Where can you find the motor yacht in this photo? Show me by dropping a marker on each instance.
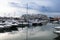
(57, 30)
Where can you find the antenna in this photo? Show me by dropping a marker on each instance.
(4, 14)
(8, 15)
(14, 14)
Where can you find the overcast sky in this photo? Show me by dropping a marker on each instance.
(19, 7)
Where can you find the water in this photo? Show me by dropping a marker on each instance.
(37, 33)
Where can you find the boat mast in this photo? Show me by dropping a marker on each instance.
(28, 24)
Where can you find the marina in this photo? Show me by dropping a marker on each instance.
(25, 21)
(29, 19)
(30, 22)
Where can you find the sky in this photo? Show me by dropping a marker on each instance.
(16, 8)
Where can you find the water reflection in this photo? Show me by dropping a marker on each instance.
(57, 38)
(37, 33)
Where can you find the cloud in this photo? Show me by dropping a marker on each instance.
(13, 7)
(44, 6)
